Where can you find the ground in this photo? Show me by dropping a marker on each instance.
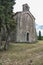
(23, 54)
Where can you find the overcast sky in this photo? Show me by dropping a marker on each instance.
(36, 8)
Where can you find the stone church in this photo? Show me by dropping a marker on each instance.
(25, 26)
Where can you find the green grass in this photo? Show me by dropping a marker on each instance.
(0, 63)
(23, 54)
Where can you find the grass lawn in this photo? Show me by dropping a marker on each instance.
(23, 54)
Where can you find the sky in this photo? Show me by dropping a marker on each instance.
(36, 8)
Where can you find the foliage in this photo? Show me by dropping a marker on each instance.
(6, 13)
(39, 35)
(7, 23)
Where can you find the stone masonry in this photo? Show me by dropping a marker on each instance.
(25, 26)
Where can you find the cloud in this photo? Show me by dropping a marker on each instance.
(39, 28)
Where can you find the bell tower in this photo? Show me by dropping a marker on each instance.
(26, 7)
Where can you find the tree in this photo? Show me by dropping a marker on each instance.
(1, 19)
(39, 35)
(7, 21)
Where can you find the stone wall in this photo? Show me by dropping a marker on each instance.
(25, 25)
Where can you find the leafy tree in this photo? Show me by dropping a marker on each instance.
(39, 35)
(6, 19)
(1, 19)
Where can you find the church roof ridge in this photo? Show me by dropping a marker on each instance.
(25, 12)
(31, 14)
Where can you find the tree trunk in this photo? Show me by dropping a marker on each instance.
(0, 41)
(6, 46)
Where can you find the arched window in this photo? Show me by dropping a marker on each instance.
(27, 36)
